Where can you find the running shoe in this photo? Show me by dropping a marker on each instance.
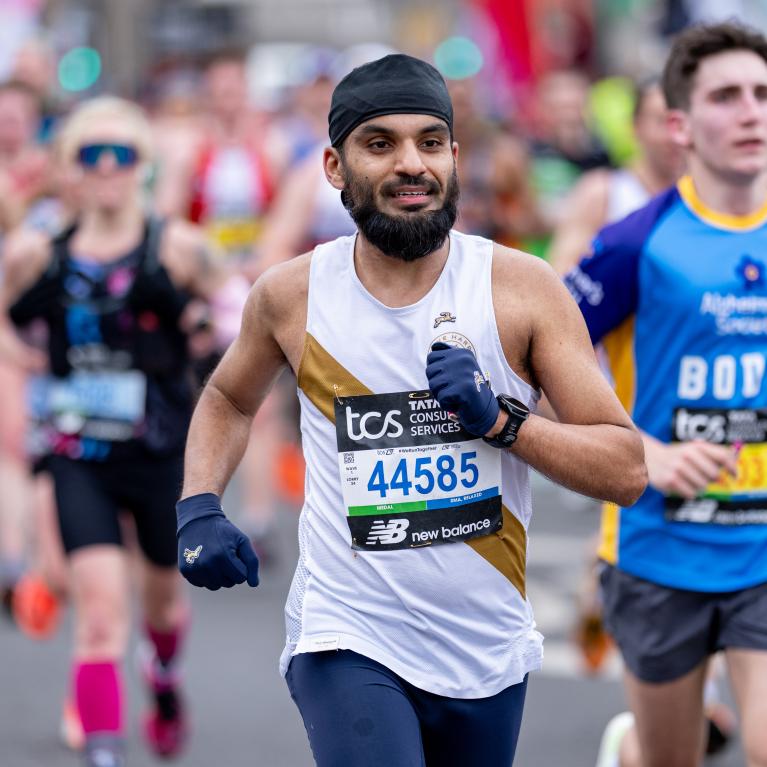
(70, 727)
(104, 752)
(6, 600)
(35, 607)
(722, 725)
(610, 745)
(166, 729)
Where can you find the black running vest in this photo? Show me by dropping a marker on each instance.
(113, 338)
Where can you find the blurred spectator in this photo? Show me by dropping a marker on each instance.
(224, 181)
(306, 212)
(306, 125)
(602, 196)
(23, 163)
(35, 66)
(24, 177)
(497, 200)
(564, 146)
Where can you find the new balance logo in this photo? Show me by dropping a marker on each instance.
(387, 533)
(190, 556)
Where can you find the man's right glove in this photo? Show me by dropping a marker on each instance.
(212, 552)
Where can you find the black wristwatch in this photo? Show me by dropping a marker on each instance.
(517, 416)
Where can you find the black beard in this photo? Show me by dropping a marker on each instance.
(409, 236)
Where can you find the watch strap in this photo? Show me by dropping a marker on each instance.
(517, 413)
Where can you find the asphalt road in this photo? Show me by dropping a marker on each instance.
(240, 707)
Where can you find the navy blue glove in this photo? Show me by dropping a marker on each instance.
(212, 552)
(459, 386)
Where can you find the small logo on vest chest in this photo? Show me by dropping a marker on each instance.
(444, 317)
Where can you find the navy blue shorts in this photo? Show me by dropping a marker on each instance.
(90, 496)
(358, 713)
(664, 633)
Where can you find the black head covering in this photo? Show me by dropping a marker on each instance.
(396, 84)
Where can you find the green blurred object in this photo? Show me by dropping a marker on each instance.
(458, 58)
(620, 9)
(79, 69)
(553, 176)
(538, 246)
(612, 108)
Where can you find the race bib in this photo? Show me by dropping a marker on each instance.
(411, 475)
(739, 500)
(104, 405)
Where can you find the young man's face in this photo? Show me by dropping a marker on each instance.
(725, 126)
(398, 177)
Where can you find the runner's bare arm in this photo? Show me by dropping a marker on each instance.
(26, 254)
(273, 325)
(289, 217)
(585, 211)
(594, 449)
(193, 265)
(186, 254)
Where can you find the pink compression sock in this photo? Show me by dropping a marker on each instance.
(98, 692)
(167, 644)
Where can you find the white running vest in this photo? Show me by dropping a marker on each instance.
(451, 618)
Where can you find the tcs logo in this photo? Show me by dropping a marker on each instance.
(725, 376)
(372, 425)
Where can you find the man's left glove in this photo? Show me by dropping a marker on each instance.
(212, 552)
(459, 386)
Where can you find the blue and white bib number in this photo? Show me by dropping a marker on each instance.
(112, 403)
(411, 475)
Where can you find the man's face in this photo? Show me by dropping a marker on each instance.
(725, 126)
(399, 183)
(226, 88)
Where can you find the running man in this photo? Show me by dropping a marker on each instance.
(409, 634)
(114, 292)
(677, 292)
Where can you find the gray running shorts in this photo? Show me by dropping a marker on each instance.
(663, 633)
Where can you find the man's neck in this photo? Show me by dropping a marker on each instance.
(735, 196)
(394, 282)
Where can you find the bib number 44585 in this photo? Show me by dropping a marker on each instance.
(427, 474)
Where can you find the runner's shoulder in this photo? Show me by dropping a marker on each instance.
(522, 276)
(282, 289)
(528, 295)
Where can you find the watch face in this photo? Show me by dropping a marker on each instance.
(512, 405)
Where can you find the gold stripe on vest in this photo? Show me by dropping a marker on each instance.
(506, 550)
(321, 378)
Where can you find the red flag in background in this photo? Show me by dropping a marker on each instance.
(510, 18)
(538, 36)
